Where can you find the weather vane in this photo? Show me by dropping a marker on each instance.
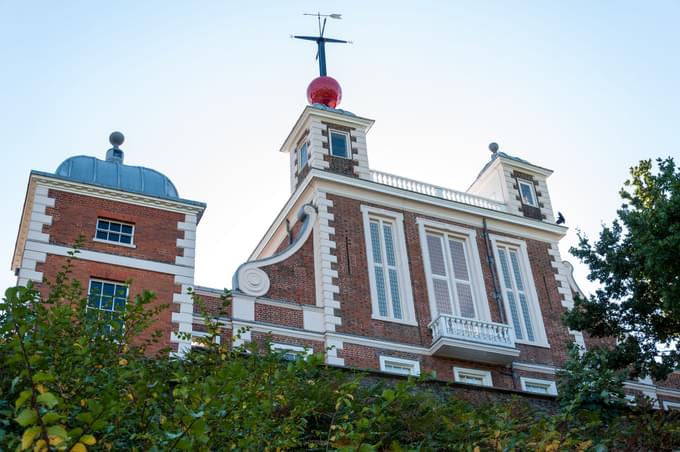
(321, 40)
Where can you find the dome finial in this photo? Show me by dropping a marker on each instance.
(493, 147)
(115, 154)
(116, 139)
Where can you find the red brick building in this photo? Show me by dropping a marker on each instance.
(375, 270)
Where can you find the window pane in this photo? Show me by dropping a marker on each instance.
(537, 388)
(458, 255)
(115, 227)
(109, 289)
(441, 296)
(114, 237)
(107, 303)
(434, 248)
(516, 270)
(467, 305)
(515, 315)
(394, 292)
(302, 155)
(93, 300)
(101, 235)
(103, 224)
(380, 289)
(504, 268)
(126, 228)
(339, 144)
(125, 239)
(375, 242)
(527, 194)
(389, 245)
(527, 319)
(397, 368)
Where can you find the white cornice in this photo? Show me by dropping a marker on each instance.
(117, 195)
(364, 190)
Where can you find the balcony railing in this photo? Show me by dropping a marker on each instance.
(434, 190)
(477, 340)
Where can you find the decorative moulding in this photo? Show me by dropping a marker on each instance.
(250, 279)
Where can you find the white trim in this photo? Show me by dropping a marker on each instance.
(296, 349)
(348, 143)
(108, 242)
(550, 386)
(401, 258)
(412, 365)
(474, 264)
(118, 195)
(369, 191)
(252, 280)
(112, 259)
(459, 373)
(541, 339)
(671, 406)
(194, 334)
(539, 368)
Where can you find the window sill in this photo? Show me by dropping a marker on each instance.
(533, 344)
(126, 245)
(403, 322)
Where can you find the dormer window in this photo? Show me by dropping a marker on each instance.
(339, 144)
(527, 192)
(303, 155)
(114, 232)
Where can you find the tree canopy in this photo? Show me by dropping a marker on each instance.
(636, 260)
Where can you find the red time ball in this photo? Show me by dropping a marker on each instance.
(324, 90)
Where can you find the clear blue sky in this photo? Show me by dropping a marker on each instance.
(207, 91)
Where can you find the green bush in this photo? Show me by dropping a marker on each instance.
(69, 383)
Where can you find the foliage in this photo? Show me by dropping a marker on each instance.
(636, 261)
(67, 383)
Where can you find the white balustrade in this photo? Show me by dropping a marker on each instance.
(491, 333)
(434, 190)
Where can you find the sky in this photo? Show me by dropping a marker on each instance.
(206, 92)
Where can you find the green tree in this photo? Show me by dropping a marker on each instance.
(636, 260)
(68, 382)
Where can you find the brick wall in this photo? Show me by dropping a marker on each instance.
(353, 281)
(155, 235)
(278, 315)
(161, 284)
(293, 279)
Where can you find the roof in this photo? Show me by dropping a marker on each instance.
(502, 154)
(115, 174)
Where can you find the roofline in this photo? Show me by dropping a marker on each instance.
(356, 120)
(106, 187)
(481, 212)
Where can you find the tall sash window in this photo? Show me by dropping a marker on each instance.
(518, 291)
(388, 266)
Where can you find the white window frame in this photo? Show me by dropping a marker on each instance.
(304, 146)
(548, 384)
(401, 258)
(348, 144)
(529, 184)
(297, 350)
(535, 314)
(469, 237)
(414, 366)
(113, 242)
(105, 281)
(484, 375)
